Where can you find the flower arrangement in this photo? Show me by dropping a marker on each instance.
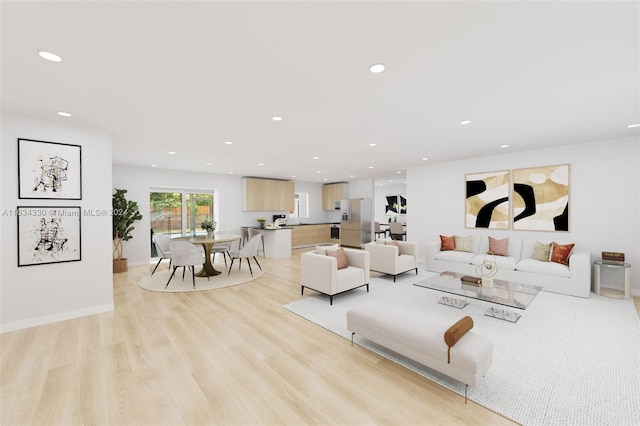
(208, 225)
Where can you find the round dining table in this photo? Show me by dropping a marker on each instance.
(207, 242)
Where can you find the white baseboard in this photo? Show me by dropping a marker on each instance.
(62, 316)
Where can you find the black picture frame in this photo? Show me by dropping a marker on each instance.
(49, 170)
(48, 234)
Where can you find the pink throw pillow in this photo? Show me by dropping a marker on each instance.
(340, 257)
(499, 247)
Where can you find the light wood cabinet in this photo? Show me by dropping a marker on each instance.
(333, 193)
(310, 235)
(267, 194)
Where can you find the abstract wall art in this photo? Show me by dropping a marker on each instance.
(541, 198)
(48, 235)
(396, 203)
(49, 170)
(487, 200)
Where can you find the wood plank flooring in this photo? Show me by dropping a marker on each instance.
(230, 356)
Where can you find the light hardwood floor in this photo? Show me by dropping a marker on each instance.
(228, 356)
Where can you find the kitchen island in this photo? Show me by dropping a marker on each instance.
(277, 241)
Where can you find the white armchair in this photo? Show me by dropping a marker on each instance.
(393, 260)
(320, 272)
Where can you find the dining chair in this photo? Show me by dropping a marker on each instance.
(185, 254)
(250, 249)
(378, 230)
(244, 236)
(161, 242)
(223, 248)
(253, 232)
(396, 231)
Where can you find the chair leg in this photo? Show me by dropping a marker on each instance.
(232, 259)
(157, 264)
(302, 290)
(330, 299)
(172, 274)
(193, 275)
(367, 288)
(184, 268)
(249, 263)
(256, 262)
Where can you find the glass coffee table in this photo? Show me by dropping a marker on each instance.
(505, 293)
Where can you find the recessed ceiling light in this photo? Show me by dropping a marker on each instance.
(293, 176)
(260, 164)
(371, 167)
(372, 144)
(504, 146)
(276, 118)
(154, 165)
(631, 126)
(390, 180)
(325, 179)
(230, 173)
(50, 56)
(208, 164)
(351, 176)
(172, 152)
(465, 122)
(316, 158)
(228, 143)
(399, 172)
(376, 68)
(425, 158)
(64, 114)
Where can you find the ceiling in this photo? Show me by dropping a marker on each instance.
(188, 76)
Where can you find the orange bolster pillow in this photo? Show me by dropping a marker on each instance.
(455, 332)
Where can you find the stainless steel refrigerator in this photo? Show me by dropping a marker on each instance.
(355, 223)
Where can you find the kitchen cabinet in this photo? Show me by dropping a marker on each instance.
(333, 193)
(310, 235)
(267, 194)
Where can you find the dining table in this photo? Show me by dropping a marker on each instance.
(207, 242)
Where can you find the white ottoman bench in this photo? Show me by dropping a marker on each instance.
(422, 338)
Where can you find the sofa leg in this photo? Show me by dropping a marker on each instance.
(330, 299)
(367, 288)
(302, 290)
(416, 271)
(352, 334)
(394, 278)
(465, 392)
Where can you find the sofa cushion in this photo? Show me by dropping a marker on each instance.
(514, 247)
(447, 243)
(323, 249)
(349, 278)
(543, 268)
(503, 262)
(462, 243)
(560, 253)
(455, 256)
(542, 252)
(340, 257)
(499, 247)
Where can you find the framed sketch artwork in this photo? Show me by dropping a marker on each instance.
(541, 198)
(48, 235)
(487, 200)
(49, 170)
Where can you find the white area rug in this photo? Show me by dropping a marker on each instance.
(567, 361)
(177, 284)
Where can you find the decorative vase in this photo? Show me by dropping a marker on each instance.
(209, 233)
(262, 225)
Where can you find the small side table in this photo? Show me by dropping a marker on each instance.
(623, 270)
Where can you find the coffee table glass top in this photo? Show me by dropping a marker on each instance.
(502, 292)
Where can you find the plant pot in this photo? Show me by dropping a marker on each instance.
(120, 265)
(262, 225)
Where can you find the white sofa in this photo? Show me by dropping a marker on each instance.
(320, 272)
(519, 266)
(393, 260)
(421, 338)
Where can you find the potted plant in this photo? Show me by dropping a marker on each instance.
(262, 220)
(125, 213)
(209, 226)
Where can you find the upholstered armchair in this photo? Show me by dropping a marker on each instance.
(319, 272)
(392, 259)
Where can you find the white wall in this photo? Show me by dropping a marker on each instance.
(138, 182)
(604, 201)
(39, 294)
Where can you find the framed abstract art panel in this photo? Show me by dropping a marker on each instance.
(487, 200)
(49, 170)
(48, 235)
(541, 198)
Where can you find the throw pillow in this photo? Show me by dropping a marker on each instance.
(499, 247)
(447, 243)
(560, 252)
(542, 252)
(340, 257)
(462, 243)
(392, 243)
(323, 249)
(455, 332)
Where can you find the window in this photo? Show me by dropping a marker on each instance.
(180, 213)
